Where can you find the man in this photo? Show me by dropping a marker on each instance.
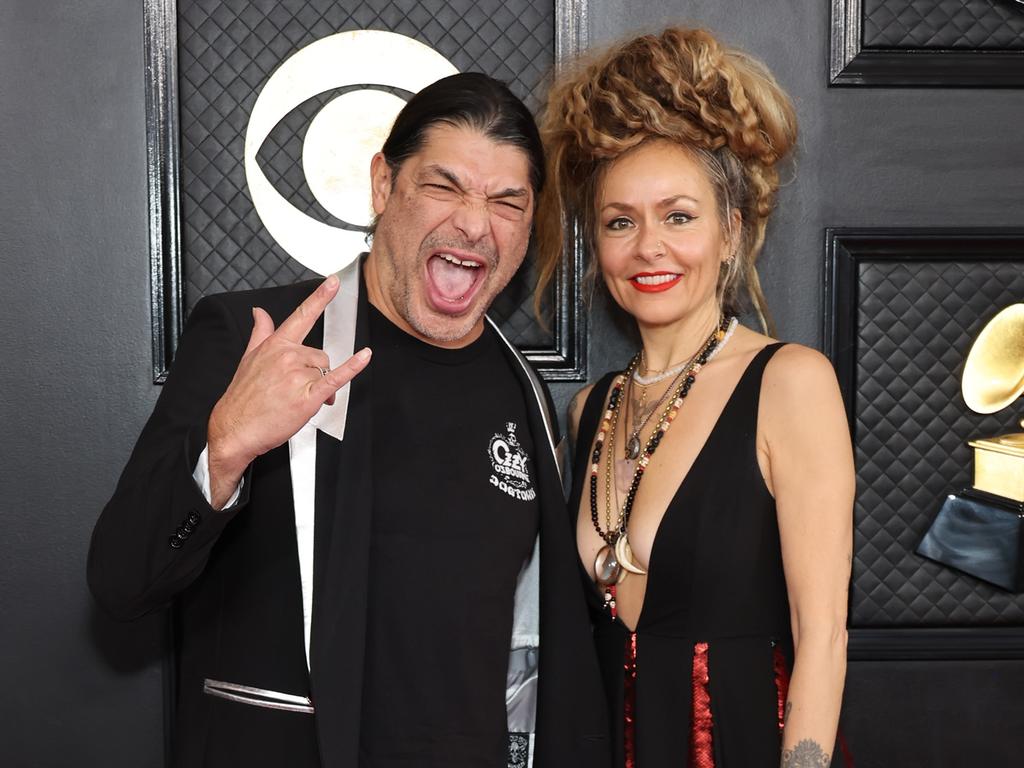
(355, 566)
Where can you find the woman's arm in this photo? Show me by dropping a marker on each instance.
(574, 412)
(806, 441)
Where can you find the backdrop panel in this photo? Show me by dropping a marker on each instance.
(904, 307)
(927, 43)
(209, 60)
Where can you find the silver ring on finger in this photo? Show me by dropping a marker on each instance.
(323, 371)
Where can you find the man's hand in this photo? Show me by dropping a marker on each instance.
(276, 389)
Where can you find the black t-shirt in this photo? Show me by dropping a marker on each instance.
(455, 517)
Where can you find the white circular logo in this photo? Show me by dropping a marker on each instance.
(340, 140)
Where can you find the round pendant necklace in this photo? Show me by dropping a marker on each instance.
(614, 560)
(642, 415)
(640, 418)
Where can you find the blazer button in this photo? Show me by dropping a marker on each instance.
(175, 542)
(187, 529)
(194, 518)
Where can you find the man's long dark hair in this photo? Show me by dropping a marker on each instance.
(466, 100)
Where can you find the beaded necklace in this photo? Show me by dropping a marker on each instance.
(614, 560)
(653, 377)
(640, 418)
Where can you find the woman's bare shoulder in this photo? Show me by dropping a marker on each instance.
(574, 411)
(579, 399)
(797, 366)
(743, 343)
(799, 383)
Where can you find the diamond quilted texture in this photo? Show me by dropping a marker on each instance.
(226, 51)
(963, 24)
(916, 322)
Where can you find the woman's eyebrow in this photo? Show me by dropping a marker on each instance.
(663, 203)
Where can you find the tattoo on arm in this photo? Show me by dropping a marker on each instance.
(806, 754)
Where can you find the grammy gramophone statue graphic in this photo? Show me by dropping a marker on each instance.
(980, 530)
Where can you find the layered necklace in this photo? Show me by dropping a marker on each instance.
(614, 560)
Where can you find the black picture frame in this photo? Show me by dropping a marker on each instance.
(845, 250)
(850, 64)
(565, 359)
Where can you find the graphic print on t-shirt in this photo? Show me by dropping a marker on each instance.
(509, 464)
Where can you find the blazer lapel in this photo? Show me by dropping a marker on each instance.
(344, 499)
(309, 453)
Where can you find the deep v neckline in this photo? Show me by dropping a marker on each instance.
(676, 494)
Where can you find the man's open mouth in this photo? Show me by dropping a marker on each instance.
(453, 279)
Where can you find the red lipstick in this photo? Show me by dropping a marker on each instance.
(657, 287)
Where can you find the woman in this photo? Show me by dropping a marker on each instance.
(714, 480)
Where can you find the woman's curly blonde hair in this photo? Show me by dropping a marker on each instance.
(684, 86)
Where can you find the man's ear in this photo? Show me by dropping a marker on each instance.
(380, 183)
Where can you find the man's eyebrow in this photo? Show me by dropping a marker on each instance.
(511, 192)
(449, 176)
(446, 174)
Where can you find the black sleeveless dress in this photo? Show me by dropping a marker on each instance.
(702, 681)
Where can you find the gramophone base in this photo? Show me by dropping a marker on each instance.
(981, 535)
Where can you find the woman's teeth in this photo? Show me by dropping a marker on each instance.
(654, 279)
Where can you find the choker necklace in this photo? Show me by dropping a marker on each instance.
(624, 468)
(654, 378)
(639, 417)
(614, 559)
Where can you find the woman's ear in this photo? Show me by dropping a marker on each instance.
(733, 236)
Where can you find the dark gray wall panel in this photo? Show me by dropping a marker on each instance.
(934, 714)
(970, 24)
(74, 388)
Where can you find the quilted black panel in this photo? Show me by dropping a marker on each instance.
(963, 24)
(916, 321)
(228, 48)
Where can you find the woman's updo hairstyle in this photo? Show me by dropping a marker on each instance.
(683, 86)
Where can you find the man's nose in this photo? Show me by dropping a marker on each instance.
(472, 219)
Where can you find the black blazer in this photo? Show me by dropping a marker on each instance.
(234, 576)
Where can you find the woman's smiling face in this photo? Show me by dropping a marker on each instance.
(660, 241)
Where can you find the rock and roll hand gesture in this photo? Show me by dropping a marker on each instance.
(278, 386)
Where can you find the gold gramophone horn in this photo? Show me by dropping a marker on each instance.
(980, 530)
(994, 371)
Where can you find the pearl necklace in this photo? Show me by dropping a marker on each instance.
(646, 381)
(633, 442)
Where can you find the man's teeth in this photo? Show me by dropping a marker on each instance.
(458, 262)
(654, 279)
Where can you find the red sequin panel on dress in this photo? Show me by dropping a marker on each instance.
(781, 684)
(629, 702)
(702, 753)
